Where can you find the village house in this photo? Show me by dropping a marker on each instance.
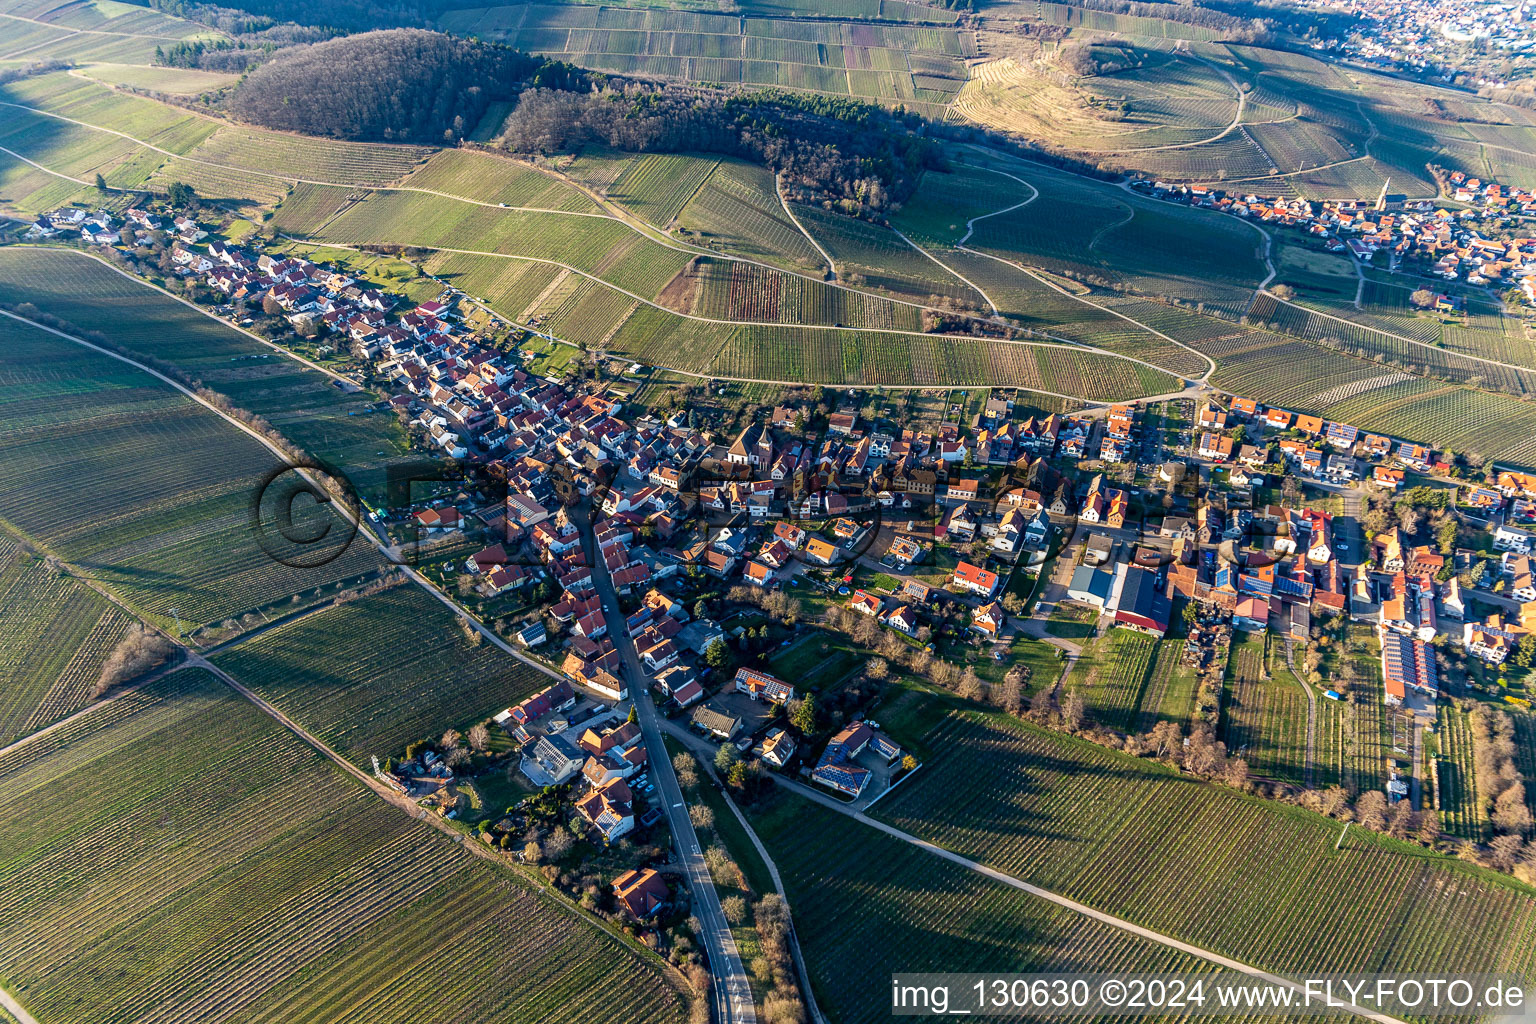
(762, 686)
(777, 748)
(836, 769)
(609, 809)
(641, 892)
(975, 580)
(1407, 664)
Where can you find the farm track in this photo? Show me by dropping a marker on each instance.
(1515, 368)
(46, 170)
(192, 305)
(970, 229)
(778, 886)
(651, 234)
(1057, 343)
(950, 270)
(614, 212)
(831, 264)
(393, 555)
(1210, 363)
(1237, 118)
(956, 114)
(397, 800)
(1263, 289)
(87, 32)
(1061, 901)
(15, 1009)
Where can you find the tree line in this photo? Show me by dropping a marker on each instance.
(861, 157)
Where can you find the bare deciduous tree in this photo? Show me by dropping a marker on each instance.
(140, 650)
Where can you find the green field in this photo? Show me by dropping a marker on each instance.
(870, 256)
(91, 30)
(171, 81)
(96, 130)
(1093, 230)
(211, 863)
(1170, 692)
(139, 487)
(1375, 396)
(657, 186)
(1402, 348)
(1117, 676)
(773, 352)
(54, 638)
(1136, 840)
(497, 180)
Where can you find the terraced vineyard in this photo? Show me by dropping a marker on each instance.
(916, 65)
(738, 208)
(105, 19)
(76, 152)
(657, 186)
(1159, 99)
(53, 640)
(490, 179)
(1264, 716)
(1129, 838)
(157, 144)
(93, 105)
(274, 889)
(139, 487)
(1201, 258)
(372, 675)
(512, 286)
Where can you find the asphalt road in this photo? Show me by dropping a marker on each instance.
(732, 995)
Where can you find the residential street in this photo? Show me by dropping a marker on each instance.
(705, 752)
(732, 990)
